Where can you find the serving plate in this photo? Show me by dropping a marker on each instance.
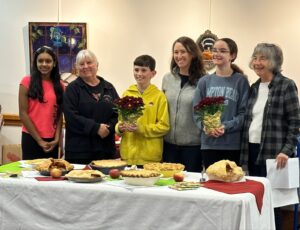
(106, 170)
(47, 173)
(140, 181)
(232, 179)
(85, 180)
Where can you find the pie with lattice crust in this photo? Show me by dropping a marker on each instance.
(140, 173)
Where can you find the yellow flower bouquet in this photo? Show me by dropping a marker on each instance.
(129, 108)
(209, 110)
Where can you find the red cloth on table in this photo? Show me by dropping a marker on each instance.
(50, 178)
(249, 186)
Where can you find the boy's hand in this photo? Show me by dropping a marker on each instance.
(127, 127)
(132, 127)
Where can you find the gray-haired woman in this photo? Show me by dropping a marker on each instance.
(272, 118)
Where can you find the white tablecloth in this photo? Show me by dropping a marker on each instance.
(34, 205)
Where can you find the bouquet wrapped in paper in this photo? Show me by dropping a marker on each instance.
(209, 110)
(129, 108)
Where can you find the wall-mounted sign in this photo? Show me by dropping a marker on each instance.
(206, 42)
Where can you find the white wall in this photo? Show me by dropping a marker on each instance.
(120, 30)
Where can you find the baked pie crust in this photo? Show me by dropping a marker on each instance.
(164, 166)
(36, 161)
(54, 163)
(225, 170)
(108, 163)
(142, 173)
(85, 174)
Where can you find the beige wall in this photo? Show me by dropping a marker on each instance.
(119, 30)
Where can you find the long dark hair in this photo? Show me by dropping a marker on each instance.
(196, 69)
(233, 49)
(36, 91)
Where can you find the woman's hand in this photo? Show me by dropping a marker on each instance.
(50, 146)
(281, 160)
(103, 130)
(44, 145)
(216, 132)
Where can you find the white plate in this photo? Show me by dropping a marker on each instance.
(85, 180)
(149, 181)
(212, 177)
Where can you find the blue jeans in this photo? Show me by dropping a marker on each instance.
(190, 156)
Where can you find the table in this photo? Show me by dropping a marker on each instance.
(30, 204)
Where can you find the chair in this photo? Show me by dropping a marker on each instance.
(296, 206)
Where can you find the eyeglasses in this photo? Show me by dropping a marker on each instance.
(221, 51)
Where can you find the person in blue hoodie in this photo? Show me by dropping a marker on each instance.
(229, 82)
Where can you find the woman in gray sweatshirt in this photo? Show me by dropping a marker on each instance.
(182, 143)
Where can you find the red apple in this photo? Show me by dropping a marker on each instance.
(178, 177)
(114, 173)
(55, 173)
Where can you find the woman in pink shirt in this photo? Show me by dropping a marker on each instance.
(40, 106)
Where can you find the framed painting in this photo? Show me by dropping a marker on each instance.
(66, 39)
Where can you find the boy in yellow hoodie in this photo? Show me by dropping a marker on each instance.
(143, 143)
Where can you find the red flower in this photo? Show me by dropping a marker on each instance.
(129, 106)
(209, 105)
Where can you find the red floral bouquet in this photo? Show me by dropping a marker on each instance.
(130, 108)
(209, 110)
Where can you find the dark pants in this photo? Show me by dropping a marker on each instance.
(255, 169)
(31, 149)
(190, 156)
(211, 156)
(90, 156)
(261, 170)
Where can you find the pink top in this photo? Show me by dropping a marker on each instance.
(42, 115)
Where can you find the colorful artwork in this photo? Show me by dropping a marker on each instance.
(66, 39)
(206, 42)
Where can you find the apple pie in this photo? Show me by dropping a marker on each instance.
(36, 161)
(167, 169)
(225, 170)
(142, 173)
(164, 166)
(85, 174)
(54, 163)
(109, 163)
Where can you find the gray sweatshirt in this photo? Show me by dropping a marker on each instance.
(183, 131)
(235, 89)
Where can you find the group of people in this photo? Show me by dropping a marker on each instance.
(258, 123)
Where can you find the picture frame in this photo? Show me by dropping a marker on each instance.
(66, 39)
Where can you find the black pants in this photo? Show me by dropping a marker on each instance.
(190, 156)
(31, 149)
(211, 156)
(72, 157)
